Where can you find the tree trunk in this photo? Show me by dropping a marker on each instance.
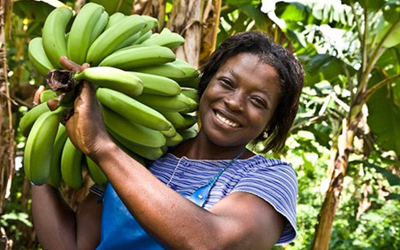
(326, 216)
(185, 19)
(6, 126)
(210, 22)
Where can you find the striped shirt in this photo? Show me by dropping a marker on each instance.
(272, 180)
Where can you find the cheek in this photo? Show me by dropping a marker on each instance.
(261, 121)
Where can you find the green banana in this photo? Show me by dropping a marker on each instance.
(27, 121)
(39, 146)
(46, 95)
(190, 120)
(173, 141)
(176, 119)
(79, 39)
(143, 37)
(54, 34)
(191, 93)
(151, 22)
(189, 70)
(188, 133)
(129, 42)
(138, 56)
(148, 153)
(55, 160)
(129, 152)
(189, 82)
(168, 70)
(176, 103)
(38, 57)
(192, 106)
(113, 78)
(170, 133)
(179, 121)
(132, 110)
(114, 19)
(71, 165)
(96, 173)
(110, 39)
(158, 85)
(99, 27)
(166, 38)
(133, 132)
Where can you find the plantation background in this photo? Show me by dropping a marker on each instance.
(344, 145)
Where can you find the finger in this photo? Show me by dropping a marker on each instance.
(69, 125)
(86, 91)
(36, 98)
(67, 115)
(85, 66)
(88, 87)
(68, 64)
(52, 104)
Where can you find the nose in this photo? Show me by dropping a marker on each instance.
(235, 101)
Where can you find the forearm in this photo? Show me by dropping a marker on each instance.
(163, 213)
(54, 220)
(58, 226)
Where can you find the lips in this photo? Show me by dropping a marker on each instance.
(225, 120)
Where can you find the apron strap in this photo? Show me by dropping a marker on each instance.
(200, 196)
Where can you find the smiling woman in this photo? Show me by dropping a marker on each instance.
(288, 70)
(207, 193)
(240, 100)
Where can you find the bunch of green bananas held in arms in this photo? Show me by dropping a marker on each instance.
(146, 95)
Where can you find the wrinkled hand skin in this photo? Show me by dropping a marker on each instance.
(85, 127)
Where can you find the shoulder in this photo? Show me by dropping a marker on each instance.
(270, 168)
(275, 182)
(270, 173)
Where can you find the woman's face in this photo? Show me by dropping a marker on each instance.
(239, 101)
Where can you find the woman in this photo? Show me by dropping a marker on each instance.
(207, 193)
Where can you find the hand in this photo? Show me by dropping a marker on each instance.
(67, 64)
(85, 127)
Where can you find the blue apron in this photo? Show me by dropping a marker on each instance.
(120, 230)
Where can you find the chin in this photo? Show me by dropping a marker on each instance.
(224, 140)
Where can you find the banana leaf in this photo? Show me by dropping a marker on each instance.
(384, 114)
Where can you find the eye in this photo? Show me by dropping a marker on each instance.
(226, 82)
(259, 102)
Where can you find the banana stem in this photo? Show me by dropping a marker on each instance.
(61, 80)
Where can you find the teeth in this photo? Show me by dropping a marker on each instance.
(226, 121)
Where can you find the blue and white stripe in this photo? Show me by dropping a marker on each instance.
(272, 180)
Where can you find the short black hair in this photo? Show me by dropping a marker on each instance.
(289, 69)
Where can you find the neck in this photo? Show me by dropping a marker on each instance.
(201, 148)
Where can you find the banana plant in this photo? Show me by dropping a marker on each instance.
(368, 70)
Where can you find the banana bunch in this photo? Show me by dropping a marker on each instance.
(147, 96)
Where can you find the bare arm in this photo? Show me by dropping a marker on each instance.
(240, 221)
(58, 226)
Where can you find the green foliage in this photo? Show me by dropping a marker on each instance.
(384, 116)
(333, 70)
(377, 227)
(124, 6)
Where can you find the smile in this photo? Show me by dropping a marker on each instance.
(226, 121)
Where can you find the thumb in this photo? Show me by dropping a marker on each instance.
(52, 104)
